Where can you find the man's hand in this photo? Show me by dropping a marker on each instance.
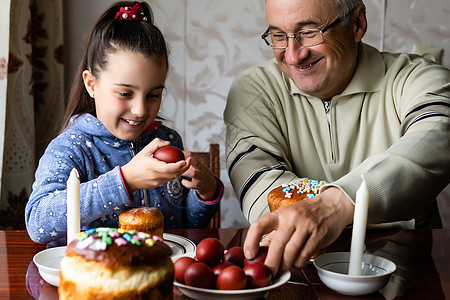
(298, 231)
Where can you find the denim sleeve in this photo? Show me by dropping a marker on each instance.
(46, 210)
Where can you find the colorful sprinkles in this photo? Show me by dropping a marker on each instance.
(106, 236)
(303, 186)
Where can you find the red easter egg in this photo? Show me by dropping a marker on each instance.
(169, 154)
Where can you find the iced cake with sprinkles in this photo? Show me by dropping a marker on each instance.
(294, 191)
(111, 263)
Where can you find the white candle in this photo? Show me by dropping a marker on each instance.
(73, 205)
(359, 229)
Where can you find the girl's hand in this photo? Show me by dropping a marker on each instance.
(146, 172)
(202, 178)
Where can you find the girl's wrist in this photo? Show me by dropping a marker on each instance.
(126, 180)
(211, 196)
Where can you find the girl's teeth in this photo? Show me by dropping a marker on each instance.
(133, 122)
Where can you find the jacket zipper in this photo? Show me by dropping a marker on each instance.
(327, 106)
(133, 152)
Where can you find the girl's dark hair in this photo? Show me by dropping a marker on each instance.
(107, 36)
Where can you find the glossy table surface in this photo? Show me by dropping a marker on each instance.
(422, 258)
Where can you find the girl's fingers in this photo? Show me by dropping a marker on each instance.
(154, 145)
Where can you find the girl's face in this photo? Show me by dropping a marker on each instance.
(127, 93)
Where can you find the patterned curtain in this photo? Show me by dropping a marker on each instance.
(34, 97)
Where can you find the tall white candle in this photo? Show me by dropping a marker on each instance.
(359, 229)
(73, 205)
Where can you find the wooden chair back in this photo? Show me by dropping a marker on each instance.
(212, 159)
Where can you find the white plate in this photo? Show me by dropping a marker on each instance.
(178, 244)
(48, 260)
(208, 294)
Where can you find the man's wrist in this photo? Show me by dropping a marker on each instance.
(343, 202)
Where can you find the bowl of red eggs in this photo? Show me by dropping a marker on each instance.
(211, 272)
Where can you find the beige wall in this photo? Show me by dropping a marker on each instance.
(211, 41)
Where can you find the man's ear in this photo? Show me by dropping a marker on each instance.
(89, 82)
(360, 25)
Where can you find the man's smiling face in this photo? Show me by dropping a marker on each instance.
(323, 70)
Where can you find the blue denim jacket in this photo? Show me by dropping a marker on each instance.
(97, 154)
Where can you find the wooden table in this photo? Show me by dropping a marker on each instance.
(422, 258)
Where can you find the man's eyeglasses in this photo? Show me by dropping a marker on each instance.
(306, 37)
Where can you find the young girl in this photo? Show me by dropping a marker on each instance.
(110, 135)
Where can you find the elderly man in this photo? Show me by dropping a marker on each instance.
(330, 107)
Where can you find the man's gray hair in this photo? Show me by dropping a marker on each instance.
(345, 6)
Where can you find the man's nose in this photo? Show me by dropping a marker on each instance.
(294, 53)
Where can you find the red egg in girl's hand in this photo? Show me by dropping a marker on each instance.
(169, 154)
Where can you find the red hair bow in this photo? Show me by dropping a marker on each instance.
(131, 13)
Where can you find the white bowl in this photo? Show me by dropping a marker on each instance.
(333, 271)
(208, 294)
(48, 261)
